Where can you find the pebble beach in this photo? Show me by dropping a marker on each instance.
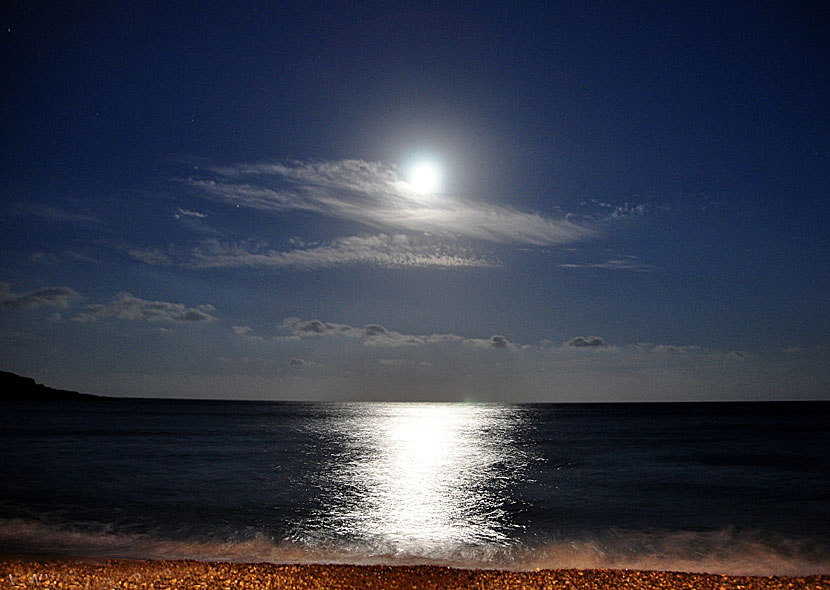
(93, 574)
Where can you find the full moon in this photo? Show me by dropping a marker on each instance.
(424, 178)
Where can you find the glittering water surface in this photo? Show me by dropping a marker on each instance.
(731, 488)
(418, 479)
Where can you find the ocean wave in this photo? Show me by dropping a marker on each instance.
(723, 551)
(726, 551)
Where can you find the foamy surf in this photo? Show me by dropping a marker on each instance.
(720, 552)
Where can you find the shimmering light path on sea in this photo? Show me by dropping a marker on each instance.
(422, 479)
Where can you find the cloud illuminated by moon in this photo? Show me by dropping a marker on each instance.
(374, 194)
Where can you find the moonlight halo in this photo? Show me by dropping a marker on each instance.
(424, 177)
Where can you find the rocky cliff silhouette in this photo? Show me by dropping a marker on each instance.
(18, 388)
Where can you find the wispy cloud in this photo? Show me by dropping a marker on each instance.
(53, 296)
(195, 221)
(152, 256)
(45, 257)
(184, 213)
(56, 214)
(379, 250)
(375, 195)
(126, 306)
(625, 210)
(629, 263)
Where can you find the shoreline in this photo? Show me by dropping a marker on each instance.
(30, 571)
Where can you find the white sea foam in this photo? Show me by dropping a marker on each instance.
(723, 552)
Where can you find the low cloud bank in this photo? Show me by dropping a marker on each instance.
(126, 306)
(49, 296)
(586, 342)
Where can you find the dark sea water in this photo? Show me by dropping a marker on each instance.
(729, 488)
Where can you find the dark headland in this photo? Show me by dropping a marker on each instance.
(17, 388)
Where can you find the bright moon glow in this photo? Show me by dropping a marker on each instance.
(424, 178)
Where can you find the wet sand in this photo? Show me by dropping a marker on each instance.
(86, 573)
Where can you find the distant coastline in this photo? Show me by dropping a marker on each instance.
(18, 388)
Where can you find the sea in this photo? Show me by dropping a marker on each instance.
(734, 488)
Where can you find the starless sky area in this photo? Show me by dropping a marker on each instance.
(558, 201)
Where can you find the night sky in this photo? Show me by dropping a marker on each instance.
(552, 202)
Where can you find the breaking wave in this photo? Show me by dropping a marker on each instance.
(726, 551)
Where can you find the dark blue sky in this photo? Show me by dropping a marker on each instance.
(218, 201)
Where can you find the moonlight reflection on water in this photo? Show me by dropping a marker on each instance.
(422, 479)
